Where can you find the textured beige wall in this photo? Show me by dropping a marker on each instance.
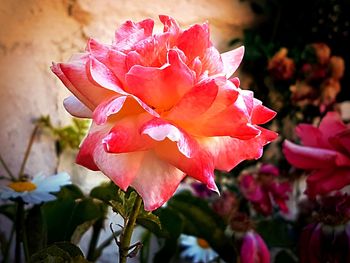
(34, 33)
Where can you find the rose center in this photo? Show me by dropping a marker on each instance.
(22, 186)
(202, 243)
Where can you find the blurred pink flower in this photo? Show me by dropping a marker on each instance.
(226, 204)
(328, 240)
(163, 107)
(263, 189)
(325, 153)
(254, 249)
(324, 243)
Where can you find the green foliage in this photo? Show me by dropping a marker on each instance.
(146, 247)
(72, 213)
(59, 252)
(105, 192)
(122, 203)
(68, 136)
(148, 220)
(8, 210)
(285, 256)
(36, 231)
(190, 215)
(276, 232)
(201, 221)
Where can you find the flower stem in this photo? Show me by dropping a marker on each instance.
(8, 171)
(125, 237)
(8, 245)
(19, 230)
(29, 147)
(96, 230)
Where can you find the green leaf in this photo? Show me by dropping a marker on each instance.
(71, 191)
(149, 221)
(105, 192)
(68, 212)
(276, 232)
(285, 257)
(129, 202)
(104, 244)
(146, 246)
(119, 208)
(171, 222)
(201, 221)
(59, 252)
(35, 229)
(80, 230)
(123, 202)
(68, 136)
(8, 210)
(166, 253)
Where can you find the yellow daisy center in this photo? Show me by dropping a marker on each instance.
(202, 243)
(22, 186)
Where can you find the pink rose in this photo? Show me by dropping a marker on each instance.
(254, 249)
(163, 107)
(325, 153)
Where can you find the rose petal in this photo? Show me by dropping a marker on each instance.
(228, 152)
(98, 50)
(159, 129)
(314, 245)
(308, 157)
(212, 62)
(263, 251)
(125, 135)
(234, 121)
(199, 165)
(254, 249)
(117, 64)
(152, 51)
(194, 41)
(310, 136)
(85, 155)
(76, 107)
(195, 102)
(249, 249)
(120, 168)
(104, 76)
(327, 180)
(123, 106)
(341, 142)
(130, 33)
(161, 87)
(186, 154)
(261, 114)
(250, 188)
(331, 124)
(304, 242)
(232, 59)
(74, 76)
(107, 108)
(157, 181)
(171, 26)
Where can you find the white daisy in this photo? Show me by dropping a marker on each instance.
(197, 249)
(37, 190)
